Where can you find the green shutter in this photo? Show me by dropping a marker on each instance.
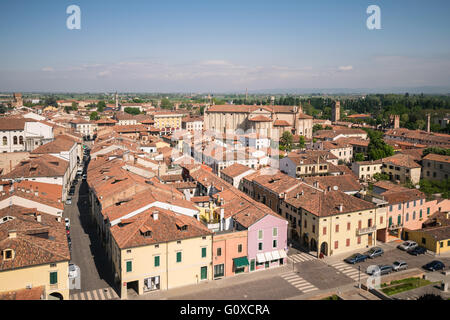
(252, 265)
(129, 266)
(178, 256)
(53, 277)
(203, 273)
(156, 261)
(203, 252)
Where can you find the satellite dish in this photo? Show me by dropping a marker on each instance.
(335, 188)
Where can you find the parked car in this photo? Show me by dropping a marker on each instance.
(374, 252)
(434, 265)
(407, 245)
(68, 231)
(382, 270)
(355, 258)
(69, 240)
(73, 271)
(84, 176)
(417, 251)
(67, 222)
(69, 200)
(399, 265)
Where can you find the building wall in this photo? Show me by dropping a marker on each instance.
(172, 274)
(7, 141)
(403, 174)
(434, 170)
(428, 241)
(267, 224)
(228, 243)
(36, 276)
(10, 159)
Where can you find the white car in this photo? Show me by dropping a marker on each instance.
(399, 265)
(67, 221)
(405, 246)
(73, 271)
(69, 200)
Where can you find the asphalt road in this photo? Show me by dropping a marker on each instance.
(87, 252)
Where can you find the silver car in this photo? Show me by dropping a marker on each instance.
(73, 271)
(399, 265)
(407, 245)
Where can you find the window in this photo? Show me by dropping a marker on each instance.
(359, 240)
(179, 256)
(420, 213)
(239, 248)
(260, 246)
(407, 217)
(347, 242)
(5, 141)
(275, 232)
(314, 229)
(260, 235)
(336, 244)
(129, 266)
(324, 230)
(337, 228)
(275, 243)
(15, 140)
(399, 206)
(203, 252)
(414, 203)
(414, 215)
(390, 208)
(359, 224)
(428, 210)
(21, 140)
(8, 254)
(219, 252)
(407, 205)
(348, 225)
(156, 261)
(424, 241)
(441, 244)
(53, 277)
(305, 224)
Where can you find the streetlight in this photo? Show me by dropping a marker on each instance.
(359, 277)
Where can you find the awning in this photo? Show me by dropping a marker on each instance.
(275, 255)
(260, 258)
(240, 262)
(282, 253)
(268, 256)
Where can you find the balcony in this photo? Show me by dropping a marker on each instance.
(362, 231)
(395, 226)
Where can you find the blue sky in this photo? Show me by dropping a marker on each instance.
(193, 45)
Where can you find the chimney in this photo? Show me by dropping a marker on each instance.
(58, 218)
(12, 234)
(341, 207)
(38, 218)
(315, 184)
(155, 215)
(428, 122)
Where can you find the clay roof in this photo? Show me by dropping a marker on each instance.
(45, 190)
(34, 293)
(260, 119)
(167, 227)
(399, 196)
(437, 157)
(44, 165)
(13, 123)
(344, 182)
(402, 160)
(36, 242)
(281, 123)
(235, 169)
(56, 146)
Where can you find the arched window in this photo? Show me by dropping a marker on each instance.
(21, 140)
(15, 139)
(5, 141)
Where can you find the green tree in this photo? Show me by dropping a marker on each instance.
(381, 176)
(359, 157)
(377, 148)
(286, 141)
(94, 116)
(166, 104)
(317, 127)
(301, 142)
(134, 111)
(101, 105)
(74, 106)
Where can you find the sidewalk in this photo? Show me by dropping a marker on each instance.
(240, 279)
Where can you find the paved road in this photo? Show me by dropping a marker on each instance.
(87, 252)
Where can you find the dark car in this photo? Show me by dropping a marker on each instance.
(374, 252)
(434, 265)
(355, 258)
(417, 251)
(382, 270)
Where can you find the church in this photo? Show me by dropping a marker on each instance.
(270, 121)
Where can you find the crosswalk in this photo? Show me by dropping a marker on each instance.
(301, 257)
(349, 271)
(98, 294)
(298, 282)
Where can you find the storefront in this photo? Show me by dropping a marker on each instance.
(270, 259)
(239, 264)
(151, 284)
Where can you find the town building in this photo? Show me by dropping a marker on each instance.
(435, 167)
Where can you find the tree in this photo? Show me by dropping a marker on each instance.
(359, 157)
(134, 111)
(74, 106)
(3, 109)
(317, 127)
(286, 141)
(94, 116)
(51, 101)
(377, 148)
(166, 104)
(101, 105)
(436, 150)
(301, 142)
(380, 176)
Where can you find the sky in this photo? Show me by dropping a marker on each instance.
(222, 46)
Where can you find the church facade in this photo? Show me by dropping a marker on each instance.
(270, 121)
